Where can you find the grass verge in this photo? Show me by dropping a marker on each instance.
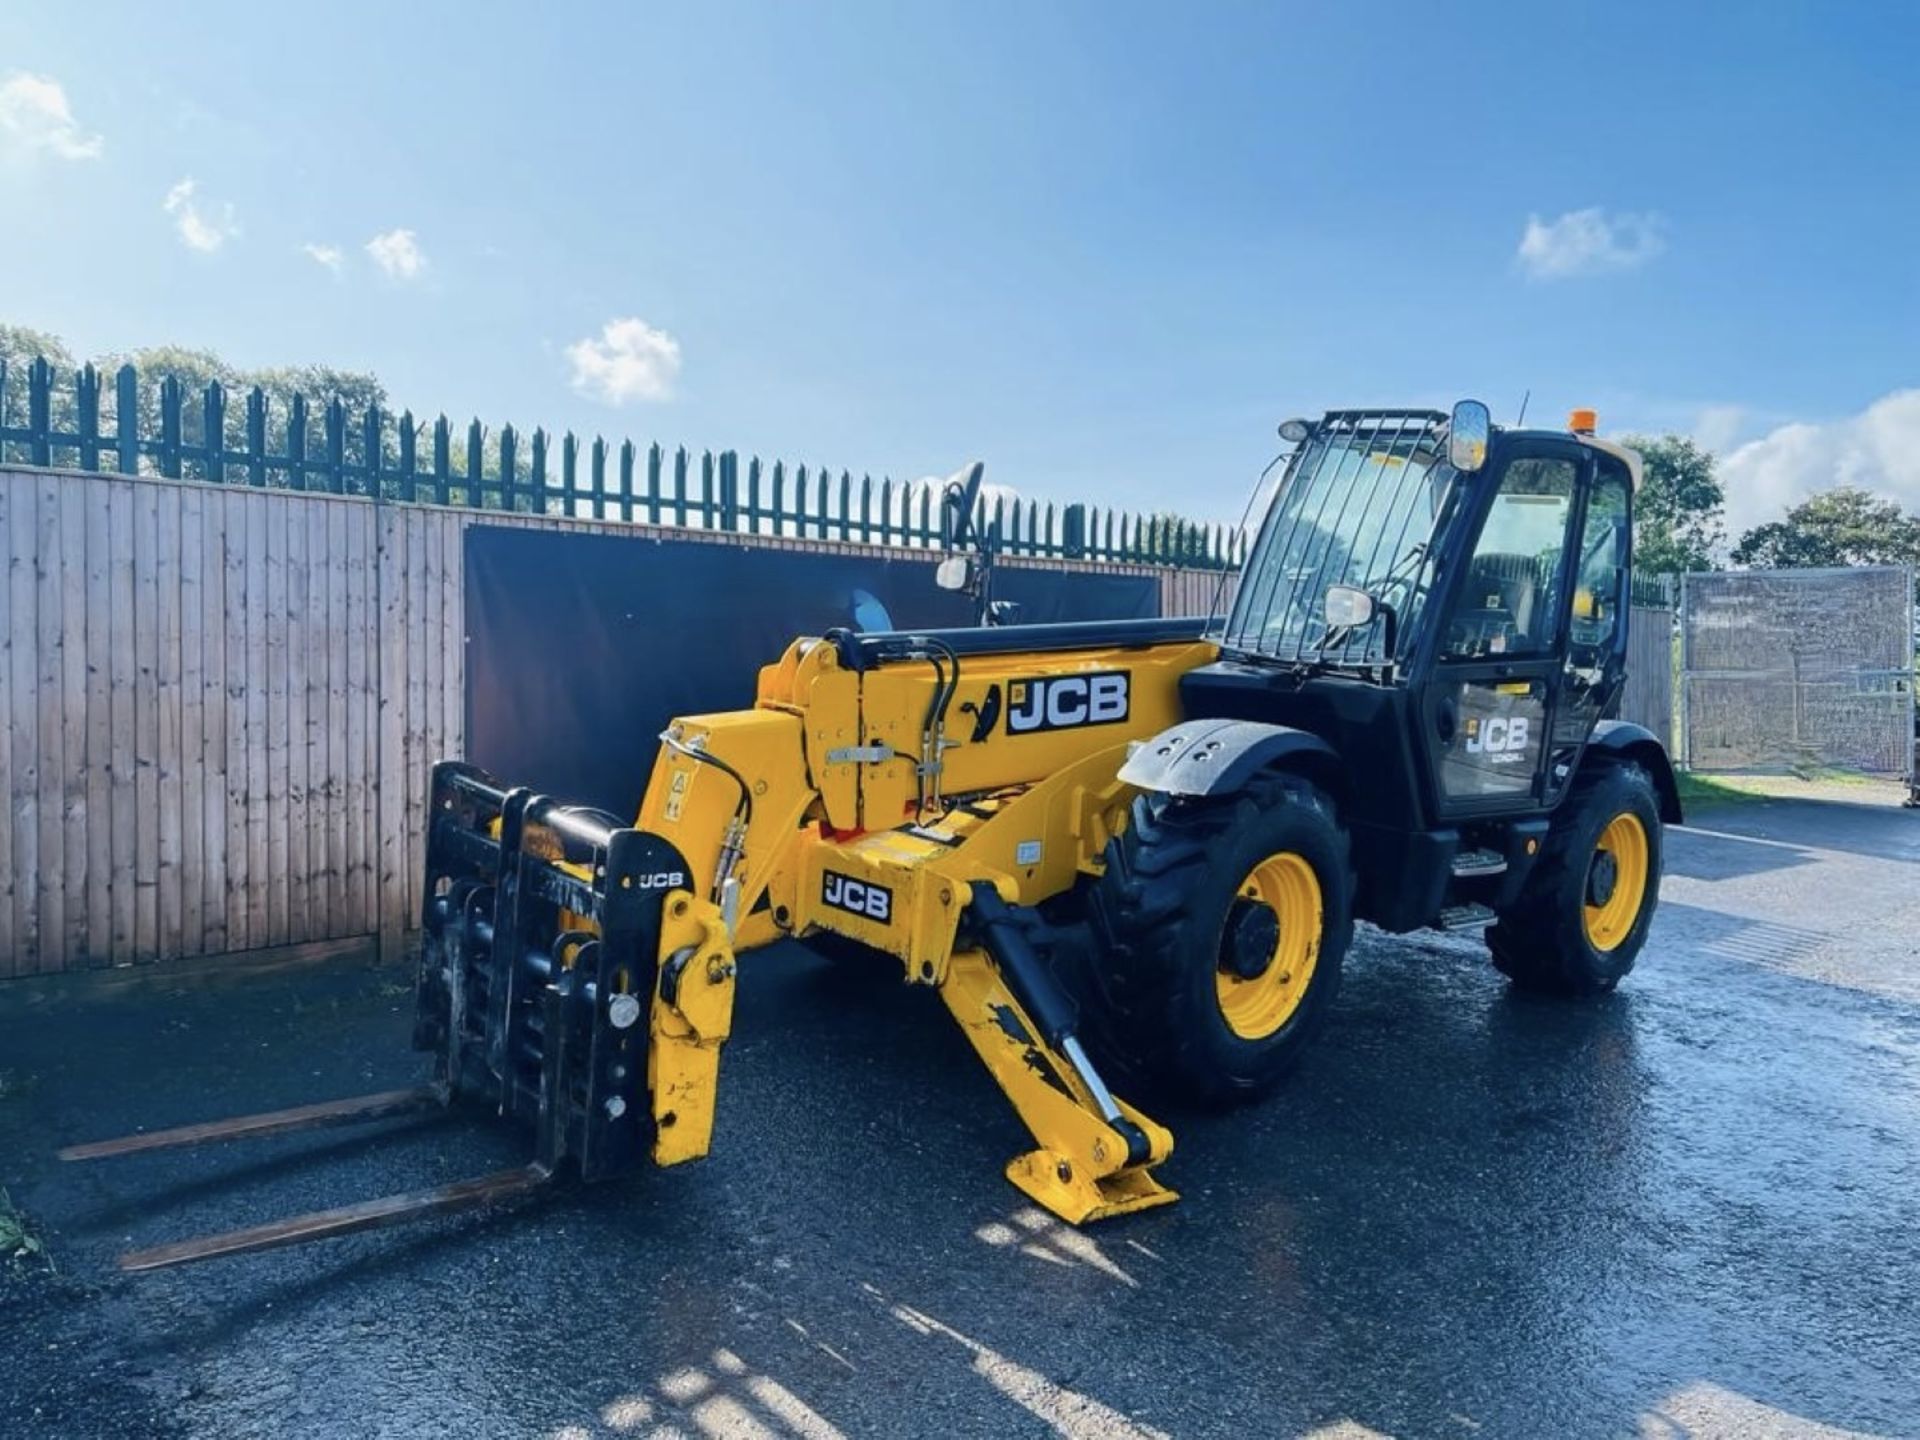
(1705, 790)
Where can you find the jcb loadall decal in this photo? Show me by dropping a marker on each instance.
(1496, 747)
(1502, 740)
(1063, 702)
(857, 897)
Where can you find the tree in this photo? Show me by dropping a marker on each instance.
(19, 348)
(357, 391)
(20, 345)
(194, 369)
(1842, 526)
(1173, 539)
(1677, 510)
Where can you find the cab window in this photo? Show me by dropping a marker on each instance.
(1509, 600)
(1598, 592)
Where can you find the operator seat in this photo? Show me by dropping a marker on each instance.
(1499, 601)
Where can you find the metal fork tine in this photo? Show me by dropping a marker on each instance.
(344, 1220)
(351, 1111)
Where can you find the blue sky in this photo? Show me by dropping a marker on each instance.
(1104, 248)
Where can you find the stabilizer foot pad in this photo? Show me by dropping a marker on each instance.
(1053, 1183)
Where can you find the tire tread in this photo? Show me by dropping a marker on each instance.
(1143, 1021)
(1539, 942)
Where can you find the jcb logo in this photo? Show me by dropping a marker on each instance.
(1501, 739)
(1064, 701)
(857, 897)
(661, 880)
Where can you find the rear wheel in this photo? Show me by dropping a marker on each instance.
(1221, 925)
(1583, 915)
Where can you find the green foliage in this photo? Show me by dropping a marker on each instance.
(20, 346)
(1842, 526)
(1172, 540)
(17, 1238)
(195, 370)
(1677, 511)
(1698, 790)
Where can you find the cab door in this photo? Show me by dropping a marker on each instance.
(1595, 668)
(1497, 675)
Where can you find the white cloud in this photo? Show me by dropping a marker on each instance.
(328, 257)
(35, 118)
(1718, 427)
(992, 495)
(198, 228)
(1589, 242)
(629, 361)
(1877, 449)
(398, 253)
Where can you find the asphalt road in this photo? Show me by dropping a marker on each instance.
(1693, 1209)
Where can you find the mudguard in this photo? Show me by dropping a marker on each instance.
(1628, 741)
(1218, 757)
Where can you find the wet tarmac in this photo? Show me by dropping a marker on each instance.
(1693, 1209)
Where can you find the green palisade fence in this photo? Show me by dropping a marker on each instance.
(319, 446)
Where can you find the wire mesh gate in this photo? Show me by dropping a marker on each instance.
(1799, 669)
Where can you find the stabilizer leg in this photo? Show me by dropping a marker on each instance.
(1096, 1151)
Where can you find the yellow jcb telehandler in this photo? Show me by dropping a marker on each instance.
(1124, 854)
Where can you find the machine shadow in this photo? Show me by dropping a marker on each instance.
(1715, 854)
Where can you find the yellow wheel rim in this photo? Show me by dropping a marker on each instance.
(1623, 849)
(1258, 993)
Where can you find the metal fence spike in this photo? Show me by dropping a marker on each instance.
(367, 452)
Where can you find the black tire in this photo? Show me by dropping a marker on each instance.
(1545, 942)
(1159, 915)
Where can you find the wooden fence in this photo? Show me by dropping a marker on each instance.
(1648, 696)
(221, 703)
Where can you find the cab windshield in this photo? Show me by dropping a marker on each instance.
(1357, 506)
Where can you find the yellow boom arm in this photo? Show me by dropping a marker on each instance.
(916, 805)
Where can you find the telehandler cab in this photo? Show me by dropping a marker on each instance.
(1130, 850)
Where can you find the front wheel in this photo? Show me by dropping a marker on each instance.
(1583, 913)
(1222, 924)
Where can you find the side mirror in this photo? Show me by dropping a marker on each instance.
(953, 573)
(1348, 606)
(1468, 435)
(958, 497)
